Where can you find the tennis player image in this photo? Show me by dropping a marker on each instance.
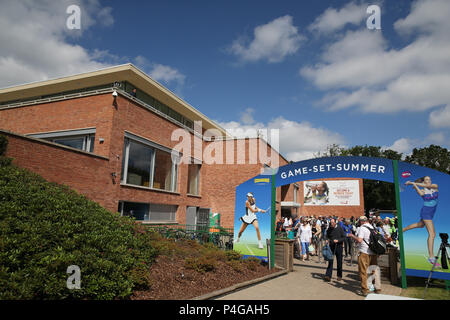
(429, 194)
(251, 218)
(317, 193)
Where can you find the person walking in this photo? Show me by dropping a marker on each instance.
(335, 239)
(305, 239)
(366, 256)
(347, 227)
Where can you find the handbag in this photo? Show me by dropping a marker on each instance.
(327, 253)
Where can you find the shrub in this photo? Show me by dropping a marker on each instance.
(252, 263)
(233, 255)
(237, 265)
(202, 264)
(45, 228)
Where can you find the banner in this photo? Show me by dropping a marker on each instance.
(425, 206)
(252, 217)
(331, 193)
(336, 167)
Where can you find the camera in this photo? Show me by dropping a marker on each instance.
(444, 238)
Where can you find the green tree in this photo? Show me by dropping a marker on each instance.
(434, 157)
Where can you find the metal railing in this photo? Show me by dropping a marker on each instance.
(218, 236)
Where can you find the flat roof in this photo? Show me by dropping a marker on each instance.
(126, 72)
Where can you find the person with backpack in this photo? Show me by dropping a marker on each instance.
(369, 247)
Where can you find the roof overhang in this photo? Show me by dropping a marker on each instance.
(127, 72)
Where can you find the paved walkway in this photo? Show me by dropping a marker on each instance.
(306, 283)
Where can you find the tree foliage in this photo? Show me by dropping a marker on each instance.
(434, 157)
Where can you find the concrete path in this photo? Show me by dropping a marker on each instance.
(306, 283)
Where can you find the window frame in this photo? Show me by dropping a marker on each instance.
(149, 212)
(87, 134)
(194, 162)
(155, 148)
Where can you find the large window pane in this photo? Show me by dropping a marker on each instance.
(139, 164)
(77, 143)
(193, 178)
(163, 171)
(140, 211)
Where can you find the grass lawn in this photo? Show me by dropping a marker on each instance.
(416, 287)
(247, 248)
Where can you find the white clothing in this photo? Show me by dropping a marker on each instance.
(305, 233)
(387, 230)
(364, 233)
(250, 216)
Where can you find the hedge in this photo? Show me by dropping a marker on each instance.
(45, 228)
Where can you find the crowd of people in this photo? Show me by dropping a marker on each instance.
(346, 238)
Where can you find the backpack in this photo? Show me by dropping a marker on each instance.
(376, 242)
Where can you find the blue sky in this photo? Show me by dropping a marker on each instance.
(311, 69)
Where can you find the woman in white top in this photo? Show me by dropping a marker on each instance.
(305, 239)
(250, 218)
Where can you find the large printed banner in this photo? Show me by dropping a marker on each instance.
(425, 206)
(331, 192)
(252, 218)
(336, 167)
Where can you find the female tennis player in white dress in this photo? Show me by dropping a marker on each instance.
(251, 218)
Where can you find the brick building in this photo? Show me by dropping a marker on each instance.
(108, 135)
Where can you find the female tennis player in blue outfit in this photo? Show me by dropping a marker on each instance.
(430, 195)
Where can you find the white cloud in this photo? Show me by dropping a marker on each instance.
(436, 138)
(406, 145)
(35, 40)
(402, 145)
(360, 70)
(166, 74)
(440, 118)
(272, 42)
(40, 46)
(333, 19)
(298, 140)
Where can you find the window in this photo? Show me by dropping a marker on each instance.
(82, 139)
(139, 164)
(164, 171)
(295, 193)
(147, 164)
(193, 179)
(149, 212)
(133, 209)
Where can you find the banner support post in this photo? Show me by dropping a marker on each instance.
(273, 211)
(400, 224)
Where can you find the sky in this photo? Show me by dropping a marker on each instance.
(311, 69)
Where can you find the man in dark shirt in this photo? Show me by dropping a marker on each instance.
(335, 238)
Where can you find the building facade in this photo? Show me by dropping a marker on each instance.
(109, 135)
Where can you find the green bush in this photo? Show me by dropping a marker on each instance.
(45, 228)
(202, 264)
(252, 263)
(233, 255)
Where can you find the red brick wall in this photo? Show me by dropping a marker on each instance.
(91, 175)
(93, 111)
(87, 174)
(220, 181)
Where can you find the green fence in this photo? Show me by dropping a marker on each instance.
(219, 236)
